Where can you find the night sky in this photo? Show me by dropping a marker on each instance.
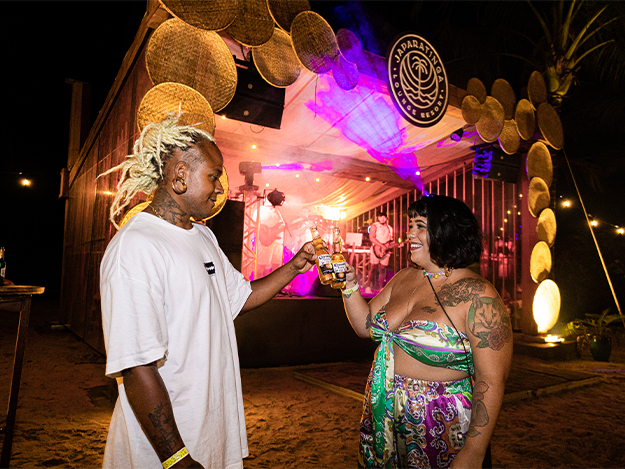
(45, 43)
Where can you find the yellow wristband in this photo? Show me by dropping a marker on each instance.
(175, 458)
(350, 290)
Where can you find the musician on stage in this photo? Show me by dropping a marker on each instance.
(380, 235)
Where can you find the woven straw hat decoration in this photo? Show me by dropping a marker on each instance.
(345, 73)
(210, 16)
(525, 119)
(540, 262)
(349, 45)
(276, 60)
(173, 98)
(314, 42)
(539, 163)
(546, 227)
(503, 92)
(253, 25)
(538, 196)
(509, 139)
(284, 12)
(536, 89)
(491, 120)
(550, 125)
(476, 88)
(200, 59)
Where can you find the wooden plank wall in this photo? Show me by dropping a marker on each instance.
(87, 229)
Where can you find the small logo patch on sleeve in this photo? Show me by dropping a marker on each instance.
(210, 268)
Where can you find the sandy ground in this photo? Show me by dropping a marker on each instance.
(66, 403)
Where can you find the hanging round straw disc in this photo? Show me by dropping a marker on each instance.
(253, 25)
(525, 119)
(550, 125)
(345, 73)
(536, 89)
(276, 60)
(540, 262)
(210, 16)
(285, 11)
(470, 109)
(546, 305)
(314, 42)
(503, 92)
(539, 163)
(546, 227)
(349, 45)
(172, 98)
(538, 196)
(509, 139)
(491, 120)
(476, 88)
(200, 59)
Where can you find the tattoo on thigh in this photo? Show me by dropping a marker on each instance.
(479, 414)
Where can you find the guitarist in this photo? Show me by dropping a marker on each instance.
(380, 234)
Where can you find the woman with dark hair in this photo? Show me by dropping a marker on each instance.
(437, 381)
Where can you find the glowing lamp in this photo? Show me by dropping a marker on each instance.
(553, 338)
(594, 223)
(26, 182)
(566, 203)
(620, 231)
(546, 305)
(332, 213)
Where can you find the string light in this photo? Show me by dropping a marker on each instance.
(367, 179)
(26, 182)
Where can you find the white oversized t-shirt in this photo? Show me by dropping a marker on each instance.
(171, 295)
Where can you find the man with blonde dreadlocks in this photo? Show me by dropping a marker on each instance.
(169, 298)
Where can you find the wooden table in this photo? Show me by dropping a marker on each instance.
(16, 298)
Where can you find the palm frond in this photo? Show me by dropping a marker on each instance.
(581, 34)
(566, 24)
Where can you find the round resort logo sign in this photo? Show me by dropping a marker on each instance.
(417, 80)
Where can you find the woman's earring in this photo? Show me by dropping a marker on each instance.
(448, 271)
(182, 182)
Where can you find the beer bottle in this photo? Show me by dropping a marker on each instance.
(3, 266)
(324, 262)
(338, 260)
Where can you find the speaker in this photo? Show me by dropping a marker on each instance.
(493, 163)
(255, 101)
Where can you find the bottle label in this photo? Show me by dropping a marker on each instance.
(324, 261)
(339, 270)
(2, 271)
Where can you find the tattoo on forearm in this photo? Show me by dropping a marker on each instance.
(479, 414)
(488, 318)
(164, 426)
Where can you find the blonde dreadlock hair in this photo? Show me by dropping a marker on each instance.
(143, 170)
